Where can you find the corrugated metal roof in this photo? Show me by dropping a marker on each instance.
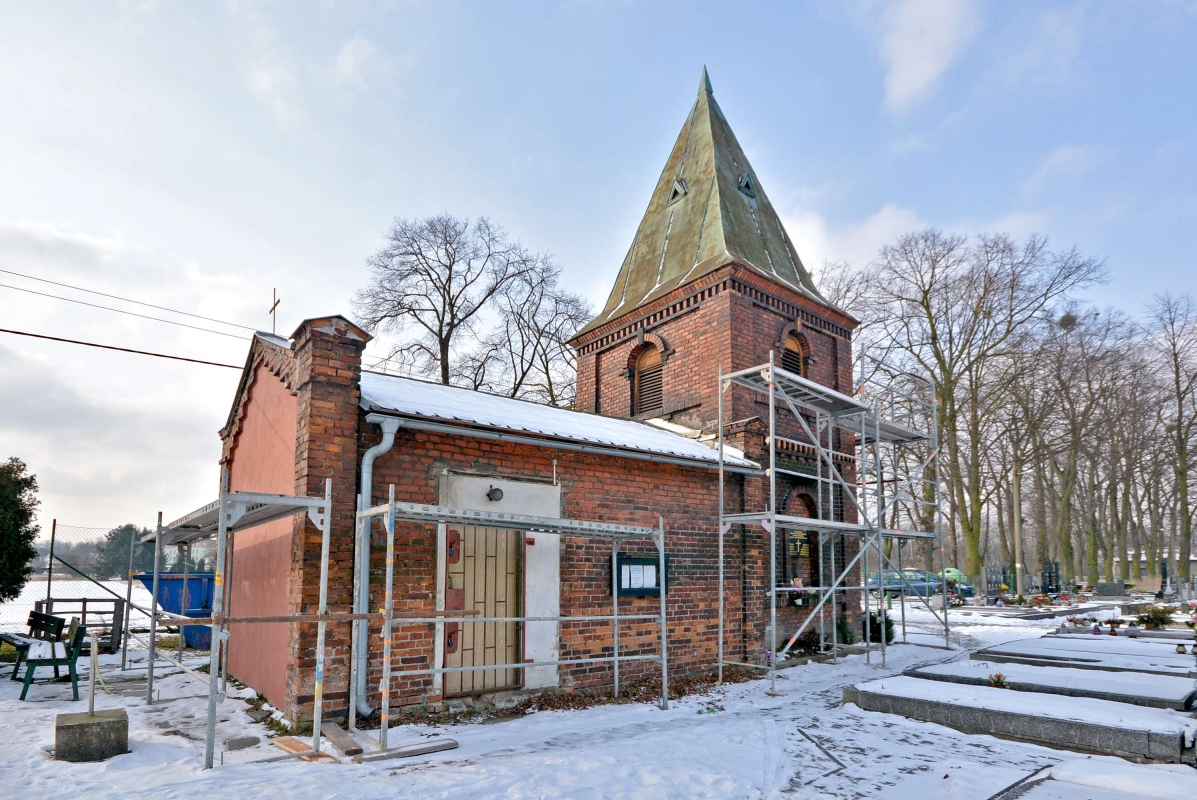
(410, 397)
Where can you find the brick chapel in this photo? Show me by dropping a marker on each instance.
(711, 280)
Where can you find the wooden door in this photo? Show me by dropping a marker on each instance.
(483, 570)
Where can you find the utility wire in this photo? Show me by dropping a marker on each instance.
(130, 313)
(121, 349)
(127, 300)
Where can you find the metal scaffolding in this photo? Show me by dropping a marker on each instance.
(878, 433)
(236, 511)
(443, 517)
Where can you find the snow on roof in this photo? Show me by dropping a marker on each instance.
(391, 393)
(281, 341)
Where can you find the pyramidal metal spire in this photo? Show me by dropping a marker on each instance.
(708, 210)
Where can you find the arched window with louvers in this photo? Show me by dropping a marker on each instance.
(793, 356)
(646, 381)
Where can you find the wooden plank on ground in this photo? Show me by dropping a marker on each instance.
(341, 739)
(408, 750)
(293, 745)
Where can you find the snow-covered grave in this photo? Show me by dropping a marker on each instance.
(1095, 652)
(1083, 723)
(1157, 691)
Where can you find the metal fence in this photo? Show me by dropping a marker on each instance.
(91, 573)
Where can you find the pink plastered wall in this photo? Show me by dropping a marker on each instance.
(263, 460)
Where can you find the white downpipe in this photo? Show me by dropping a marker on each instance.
(361, 562)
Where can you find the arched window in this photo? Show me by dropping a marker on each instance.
(801, 556)
(646, 381)
(792, 357)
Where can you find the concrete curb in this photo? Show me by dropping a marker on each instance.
(1077, 736)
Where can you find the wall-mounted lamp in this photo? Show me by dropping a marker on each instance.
(495, 494)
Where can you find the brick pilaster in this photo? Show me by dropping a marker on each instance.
(328, 353)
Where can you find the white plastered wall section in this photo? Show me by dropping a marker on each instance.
(542, 562)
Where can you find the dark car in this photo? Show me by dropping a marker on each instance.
(916, 582)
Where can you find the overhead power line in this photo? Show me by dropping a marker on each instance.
(130, 313)
(120, 349)
(127, 300)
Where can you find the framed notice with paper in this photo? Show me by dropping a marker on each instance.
(638, 576)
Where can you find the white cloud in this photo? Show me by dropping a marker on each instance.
(1045, 53)
(921, 40)
(356, 59)
(269, 76)
(273, 82)
(1019, 224)
(1066, 160)
(857, 242)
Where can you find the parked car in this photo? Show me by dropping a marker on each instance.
(954, 574)
(917, 582)
(961, 588)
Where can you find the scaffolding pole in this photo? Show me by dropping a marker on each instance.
(878, 417)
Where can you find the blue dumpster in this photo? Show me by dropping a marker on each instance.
(199, 601)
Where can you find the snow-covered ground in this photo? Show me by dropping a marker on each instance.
(734, 742)
(1157, 687)
(15, 613)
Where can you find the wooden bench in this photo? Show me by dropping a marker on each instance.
(105, 623)
(42, 628)
(73, 645)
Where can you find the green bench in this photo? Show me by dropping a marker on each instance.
(42, 628)
(73, 645)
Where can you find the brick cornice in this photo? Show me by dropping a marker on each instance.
(690, 296)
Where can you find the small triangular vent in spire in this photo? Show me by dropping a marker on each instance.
(677, 192)
(747, 185)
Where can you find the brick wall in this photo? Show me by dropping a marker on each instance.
(593, 487)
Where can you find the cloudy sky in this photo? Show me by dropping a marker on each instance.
(198, 155)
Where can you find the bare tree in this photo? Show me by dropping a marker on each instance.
(1173, 335)
(527, 355)
(958, 308)
(438, 275)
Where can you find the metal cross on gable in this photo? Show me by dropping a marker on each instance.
(273, 312)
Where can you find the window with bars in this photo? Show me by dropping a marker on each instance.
(646, 386)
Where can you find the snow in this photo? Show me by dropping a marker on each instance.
(1161, 781)
(1102, 651)
(1136, 684)
(390, 393)
(732, 742)
(1076, 709)
(1123, 645)
(14, 614)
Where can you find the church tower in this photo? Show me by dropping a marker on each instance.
(711, 278)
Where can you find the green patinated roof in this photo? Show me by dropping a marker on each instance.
(707, 210)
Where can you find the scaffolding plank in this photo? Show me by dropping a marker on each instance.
(408, 750)
(340, 739)
(785, 522)
(419, 512)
